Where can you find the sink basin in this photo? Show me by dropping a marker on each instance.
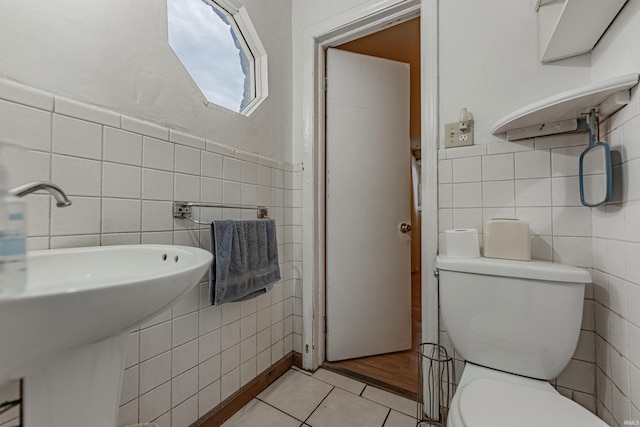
(75, 313)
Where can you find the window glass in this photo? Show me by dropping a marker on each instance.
(209, 44)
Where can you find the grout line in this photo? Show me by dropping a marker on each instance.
(280, 410)
(316, 408)
(386, 418)
(385, 406)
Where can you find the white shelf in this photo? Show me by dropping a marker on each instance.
(572, 27)
(558, 113)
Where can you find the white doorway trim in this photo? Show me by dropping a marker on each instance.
(357, 22)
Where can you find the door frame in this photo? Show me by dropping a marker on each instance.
(357, 22)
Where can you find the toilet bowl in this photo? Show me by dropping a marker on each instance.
(516, 324)
(489, 398)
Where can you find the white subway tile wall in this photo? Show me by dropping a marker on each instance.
(515, 180)
(615, 258)
(122, 174)
(539, 178)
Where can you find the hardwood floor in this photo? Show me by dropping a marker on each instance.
(396, 372)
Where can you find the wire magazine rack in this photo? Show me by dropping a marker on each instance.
(436, 376)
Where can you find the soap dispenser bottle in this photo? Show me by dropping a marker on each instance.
(13, 248)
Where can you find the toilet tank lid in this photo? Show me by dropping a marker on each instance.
(537, 270)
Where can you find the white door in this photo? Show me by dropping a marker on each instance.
(368, 197)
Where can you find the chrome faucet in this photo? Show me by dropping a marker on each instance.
(55, 191)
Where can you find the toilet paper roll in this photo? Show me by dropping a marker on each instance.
(462, 243)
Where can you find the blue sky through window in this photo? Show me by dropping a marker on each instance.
(201, 38)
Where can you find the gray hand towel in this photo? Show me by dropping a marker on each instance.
(245, 261)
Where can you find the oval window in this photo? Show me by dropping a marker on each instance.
(214, 51)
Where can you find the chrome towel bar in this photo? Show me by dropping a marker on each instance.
(183, 210)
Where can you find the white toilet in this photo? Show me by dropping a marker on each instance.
(516, 324)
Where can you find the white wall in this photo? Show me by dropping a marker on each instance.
(305, 14)
(150, 141)
(309, 12)
(537, 180)
(616, 237)
(122, 175)
(616, 278)
(489, 63)
(115, 54)
(616, 52)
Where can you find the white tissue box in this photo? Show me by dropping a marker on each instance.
(507, 239)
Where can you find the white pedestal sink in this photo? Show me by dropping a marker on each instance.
(65, 334)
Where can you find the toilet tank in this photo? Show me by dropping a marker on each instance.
(516, 316)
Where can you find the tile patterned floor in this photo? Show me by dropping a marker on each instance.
(324, 399)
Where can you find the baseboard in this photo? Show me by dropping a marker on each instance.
(297, 359)
(237, 400)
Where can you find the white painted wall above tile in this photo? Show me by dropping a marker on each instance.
(506, 74)
(102, 69)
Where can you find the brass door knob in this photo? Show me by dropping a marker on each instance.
(405, 228)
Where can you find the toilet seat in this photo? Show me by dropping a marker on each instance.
(485, 402)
